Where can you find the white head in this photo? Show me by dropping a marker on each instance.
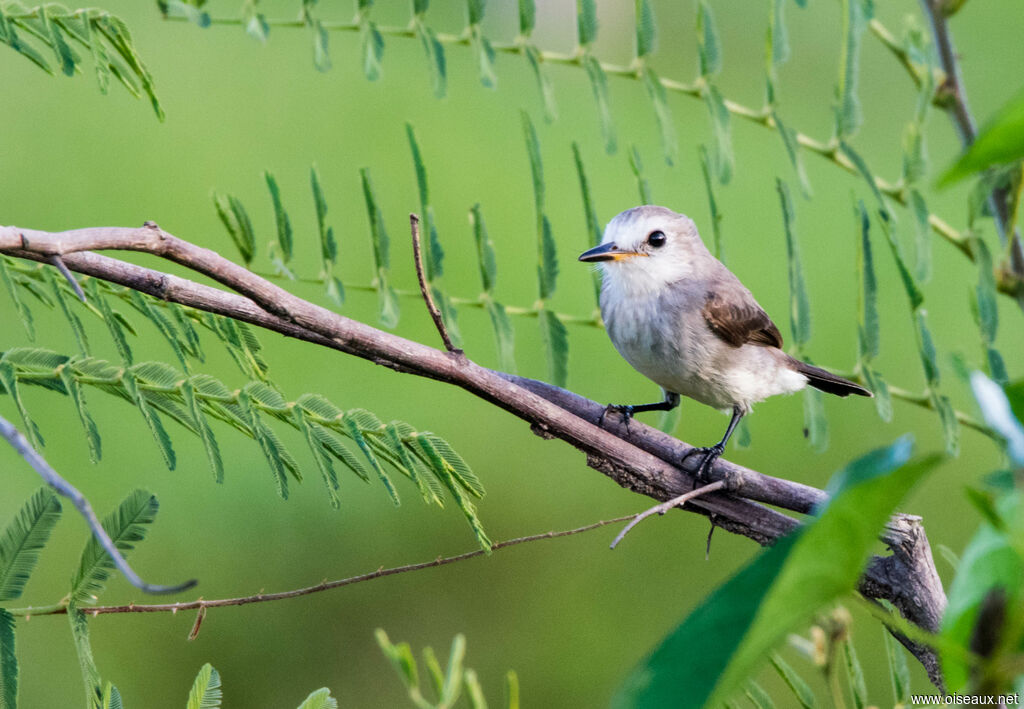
(647, 248)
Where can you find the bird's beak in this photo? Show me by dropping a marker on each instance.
(607, 252)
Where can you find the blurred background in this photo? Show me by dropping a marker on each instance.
(570, 616)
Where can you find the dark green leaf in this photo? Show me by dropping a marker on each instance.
(386, 296)
(868, 293)
(188, 395)
(401, 658)
(284, 224)
(642, 185)
(24, 314)
(373, 49)
(599, 86)
(547, 266)
(855, 675)
(757, 696)
(877, 385)
(915, 160)
(206, 691)
(1000, 140)
(66, 58)
(547, 91)
(536, 166)
(484, 249)
(741, 621)
(126, 526)
(320, 456)
(23, 539)
(709, 48)
(801, 690)
(926, 348)
(433, 253)
(590, 214)
(256, 25)
(856, 14)
(815, 423)
(527, 17)
(586, 22)
(8, 663)
(269, 444)
(646, 37)
(909, 284)
(659, 99)
(778, 37)
(865, 172)
(328, 247)
(153, 422)
(79, 622)
(898, 670)
(92, 434)
(485, 57)
(476, 10)
(236, 220)
(922, 231)
(716, 216)
(503, 335)
(556, 346)
(443, 471)
(799, 305)
(435, 57)
(722, 146)
(789, 141)
(190, 11)
(351, 427)
(988, 313)
(9, 380)
(57, 287)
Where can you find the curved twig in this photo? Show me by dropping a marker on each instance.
(666, 506)
(66, 489)
(435, 314)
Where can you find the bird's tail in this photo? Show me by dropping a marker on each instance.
(828, 382)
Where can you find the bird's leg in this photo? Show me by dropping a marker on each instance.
(712, 452)
(627, 411)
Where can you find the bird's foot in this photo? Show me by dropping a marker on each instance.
(710, 453)
(623, 410)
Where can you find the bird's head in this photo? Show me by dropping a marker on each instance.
(647, 248)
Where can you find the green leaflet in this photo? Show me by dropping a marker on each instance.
(590, 214)
(433, 254)
(536, 166)
(188, 395)
(504, 338)
(586, 21)
(8, 663)
(284, 225)
(868, 292)
(556, 346)
(206, 691)
(642, 185)
(985, 292)
(484, 249)
(547, 267)
(57, 287)
(92, 434)
(926, 348)
(544, 85)
(855, 675)
(722, 146)
(23, 539)
(801, 690)
(484, 51)
(434, 52)
(320, 699)
(599, 87)
(659, 99)
(815, 423)
(950, 425)
(716, 216)
(799, 305)
(856, 14)
(256, 25)
(236, 220)
(24, 314)
(373, 46)
(757, 696)
(156, 427)
(909, 284)
(789, 142)
(387, 299)
(10, 385)
(321, 56)
(923, 233)
(864, 171)
(899, 673)
(778, 36)
(352, 429)
(269, 444)
(436, 462)
(745, 618)
(328, 246)
(320, 456)
(126, 526)
(401, 658)
(474, 692)
(79, 623)
(527, 17)
(646, 37)
(709, 48)
(163, 324)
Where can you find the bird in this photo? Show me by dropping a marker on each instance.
(686, 322)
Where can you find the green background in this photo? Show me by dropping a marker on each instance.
(570, 616)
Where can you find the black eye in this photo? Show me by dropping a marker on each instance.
(656, 239)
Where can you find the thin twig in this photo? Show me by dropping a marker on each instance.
(63, 487)
(666, 506)
(58, 263)
(435, 314)
(202, 604)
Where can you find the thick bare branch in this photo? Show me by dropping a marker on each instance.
(638, 458)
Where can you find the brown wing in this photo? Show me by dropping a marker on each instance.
(739, 320)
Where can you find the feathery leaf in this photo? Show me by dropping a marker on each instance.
(206, 691)
(23, 539)
(8, 663)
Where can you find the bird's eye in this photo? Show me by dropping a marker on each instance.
(656, 239)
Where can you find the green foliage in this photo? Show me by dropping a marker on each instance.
(23, 539)
(126, 526)
(8, 663)
(1001, 140)
(747, 616)
(104, 36)
(206, 691)
(856, 15)
(446, 685)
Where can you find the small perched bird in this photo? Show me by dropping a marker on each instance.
(683, 320)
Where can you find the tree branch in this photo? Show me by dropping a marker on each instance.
(435, 314)
(202, 604)
(639, 458)
(960, 112)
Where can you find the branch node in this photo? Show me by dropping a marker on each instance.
(666, 506)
